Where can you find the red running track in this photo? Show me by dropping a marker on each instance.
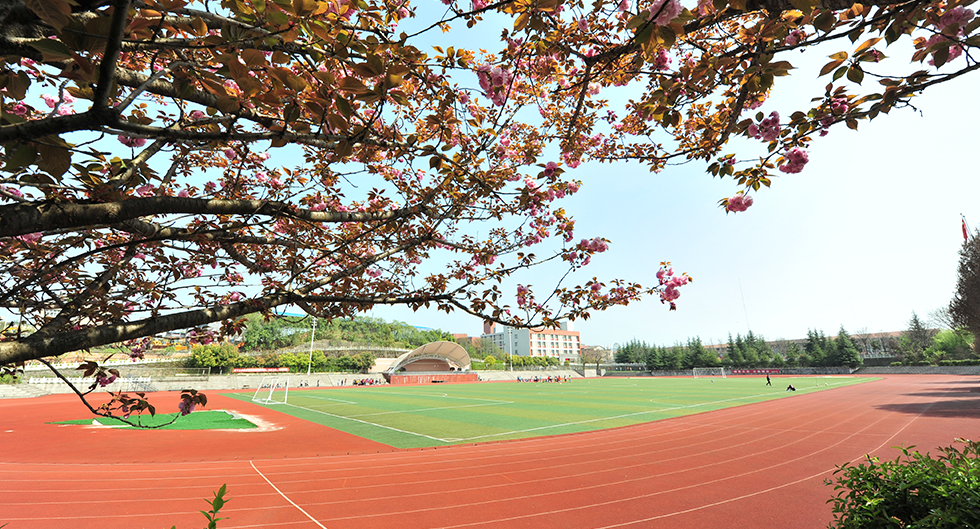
(758, 466)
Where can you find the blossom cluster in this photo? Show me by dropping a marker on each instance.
(952, 22)
(664, 11)
(796, 158)
(767, 129)
(130, 141)
(670, 284)
(495, 82)
(739, 203)
(522, 295)
(794, 37)
(63, 105)
(104, 379)
(662, 60)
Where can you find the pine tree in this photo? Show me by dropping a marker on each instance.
(735, 358)
(964, 309)
(845, 353)
(815, 348)
(915, 340)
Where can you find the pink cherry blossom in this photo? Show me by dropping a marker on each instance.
(130, 141)
(796, 158)
(664, 11)
(739, 202)
(767, 130)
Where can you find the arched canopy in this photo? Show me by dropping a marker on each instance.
(433, 356)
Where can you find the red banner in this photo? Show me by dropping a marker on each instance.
(260, 370)
(755, 371)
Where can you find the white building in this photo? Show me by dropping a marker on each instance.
(563, 343)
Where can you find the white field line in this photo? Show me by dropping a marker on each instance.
(369, 423)
(314, 520)
(327, 398)
(499, 434)
(496, 403)
(440, 396)
(626, 415)
(489, 402)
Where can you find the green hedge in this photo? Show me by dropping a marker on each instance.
(914, 491)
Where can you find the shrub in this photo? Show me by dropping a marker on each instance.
(913, 492)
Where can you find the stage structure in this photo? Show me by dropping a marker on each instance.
(433, 363)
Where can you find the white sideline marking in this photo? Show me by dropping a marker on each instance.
(620, 416)
(369, 423)
(488, 402)
(314, 520)
(495, 402)
(328, 398)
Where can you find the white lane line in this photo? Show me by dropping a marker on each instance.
(368, 423)
(314, 520)
(624, 416)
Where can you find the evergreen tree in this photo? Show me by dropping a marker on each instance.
(964, 309)
(654, 358)
(700, 356)
(845, 353)
(815, 347)
(734, 357)
(915, 340)
(750, 350)
(795, 355)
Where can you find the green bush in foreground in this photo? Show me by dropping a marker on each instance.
(914, 491)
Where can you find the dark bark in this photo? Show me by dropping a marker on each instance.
(21, 219)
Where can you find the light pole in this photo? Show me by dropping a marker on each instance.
(309, 366)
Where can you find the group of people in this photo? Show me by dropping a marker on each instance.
(364, 382)
(555, 378)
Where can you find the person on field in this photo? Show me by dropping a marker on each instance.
(768, 381)
(790, 388)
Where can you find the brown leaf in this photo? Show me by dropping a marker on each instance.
(54, 12)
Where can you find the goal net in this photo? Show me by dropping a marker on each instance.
(709, 372)
(272, 390)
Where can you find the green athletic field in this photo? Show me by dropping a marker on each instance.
(424, 416)
(199, 420)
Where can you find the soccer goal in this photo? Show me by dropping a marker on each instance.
(272, 384)
(709, 372)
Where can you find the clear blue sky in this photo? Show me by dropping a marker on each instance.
(868, 233)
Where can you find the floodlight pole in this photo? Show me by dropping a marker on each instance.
(309, 366)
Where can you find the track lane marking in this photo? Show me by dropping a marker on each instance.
(259, 472)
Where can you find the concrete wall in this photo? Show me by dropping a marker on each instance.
(919, 370)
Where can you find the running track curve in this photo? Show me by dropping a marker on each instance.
(756, 466)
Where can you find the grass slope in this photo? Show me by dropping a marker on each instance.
(423, 416)
(199, 420)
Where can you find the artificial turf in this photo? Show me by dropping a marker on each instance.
(424, 416)
(199, 420)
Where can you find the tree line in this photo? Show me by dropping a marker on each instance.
(224, 357)
(268, 334)
(917, 345)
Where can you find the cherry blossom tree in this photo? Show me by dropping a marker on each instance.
(170, 164)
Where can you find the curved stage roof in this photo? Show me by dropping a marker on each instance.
(450, 352)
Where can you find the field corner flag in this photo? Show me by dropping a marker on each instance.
(966, 232)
